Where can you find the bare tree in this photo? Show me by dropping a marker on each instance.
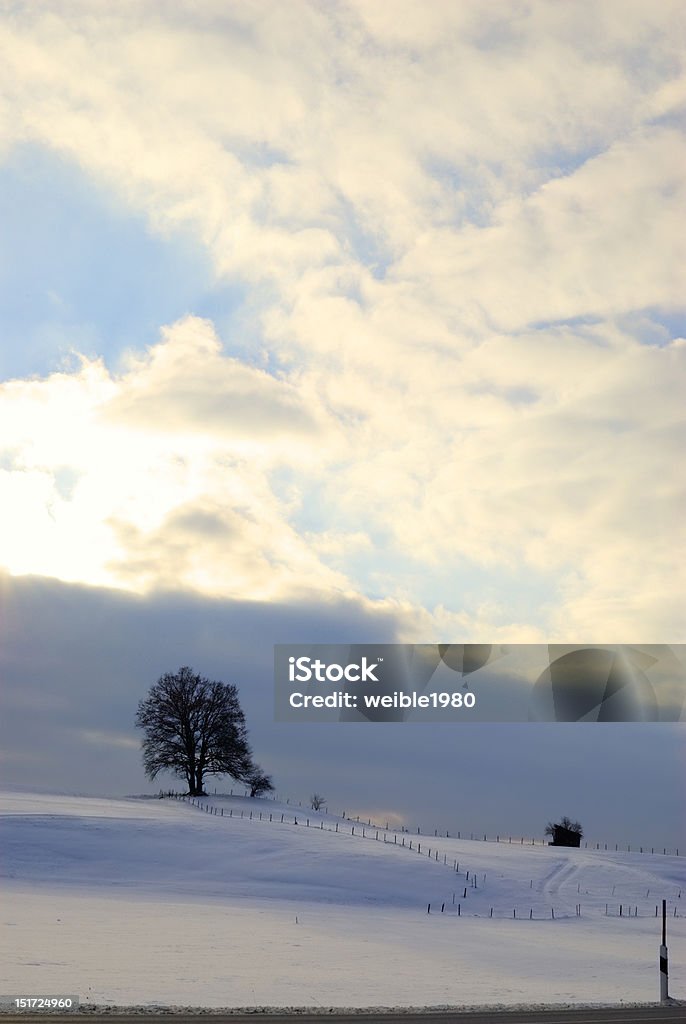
(317, 801)
(259, 783)
(194, 728)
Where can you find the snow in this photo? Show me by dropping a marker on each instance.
(154, 902)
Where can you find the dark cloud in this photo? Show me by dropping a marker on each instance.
(75, 661)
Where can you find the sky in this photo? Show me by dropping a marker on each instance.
(341, 322)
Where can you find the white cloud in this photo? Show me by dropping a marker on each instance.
(170, 482)
(186, 385)
(597, 243)
(413, 192)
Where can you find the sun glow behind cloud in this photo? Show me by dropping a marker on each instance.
(459, 234)
(168, 464)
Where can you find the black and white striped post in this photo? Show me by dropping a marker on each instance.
(664, 966)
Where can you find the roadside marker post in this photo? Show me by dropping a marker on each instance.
(664, 966)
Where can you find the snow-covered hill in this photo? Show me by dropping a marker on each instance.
(155, 901)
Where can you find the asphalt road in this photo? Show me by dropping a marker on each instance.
(618, 1015)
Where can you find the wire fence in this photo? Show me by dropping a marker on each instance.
(627, 912)
(472, 836)
(471, 880)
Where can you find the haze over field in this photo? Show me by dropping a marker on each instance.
(342, 322)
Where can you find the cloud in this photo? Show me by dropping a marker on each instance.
(598, 242)
(101, 650)
(185, 384)
(459, 232)
(76, 660)
(102, 738)
(168, 467)
(268, 177)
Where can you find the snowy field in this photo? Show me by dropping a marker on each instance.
(154, 902)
